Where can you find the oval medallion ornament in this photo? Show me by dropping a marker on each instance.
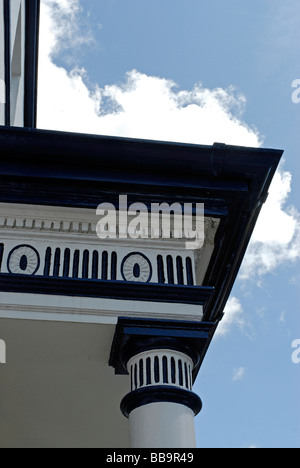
(136, 267)
(23, 260)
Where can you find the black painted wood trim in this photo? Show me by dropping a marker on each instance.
(31, 62)
(7, 61)
(122, 290)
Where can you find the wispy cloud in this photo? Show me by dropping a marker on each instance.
(234, 317)
(282, 317)
(238, 374)
(280, 42)
(66, 28)
(284, 26)
(276, 238)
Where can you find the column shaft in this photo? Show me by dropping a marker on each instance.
(162, 425)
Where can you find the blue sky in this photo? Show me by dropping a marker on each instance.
(202, 71)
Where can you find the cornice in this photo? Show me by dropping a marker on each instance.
(82, 223)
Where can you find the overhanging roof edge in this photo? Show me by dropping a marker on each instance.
(99, 152)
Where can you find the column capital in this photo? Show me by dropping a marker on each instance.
(162, 358)
(134, 336)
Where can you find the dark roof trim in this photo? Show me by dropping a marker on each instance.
(86, 156)
(7, 54)
(77, 158)
(122, 290)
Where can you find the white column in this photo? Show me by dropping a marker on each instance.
(161, 406)
(162, 425)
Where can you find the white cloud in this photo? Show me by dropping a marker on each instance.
(238, 374)
(276, 238)
(234, 316)
(153, 108)
(282, 317)
(142, 107)
(61, 25)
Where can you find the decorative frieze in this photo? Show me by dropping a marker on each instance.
(96, 262)
(48, 251)
(62, 242)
